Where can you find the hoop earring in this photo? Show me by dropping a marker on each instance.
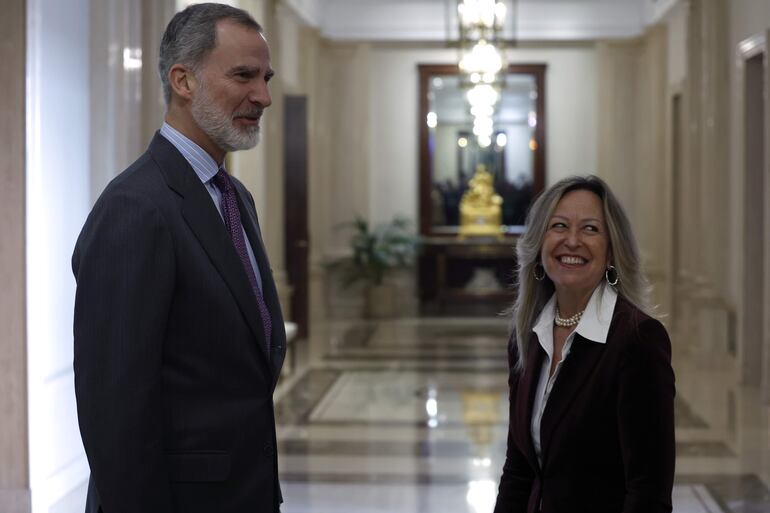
(541, 276)
(610, 281)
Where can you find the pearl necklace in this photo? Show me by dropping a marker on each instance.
(569, 321)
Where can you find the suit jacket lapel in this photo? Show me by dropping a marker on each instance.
(525, 400)
(204, 221)
(269, 292)
(575, 370)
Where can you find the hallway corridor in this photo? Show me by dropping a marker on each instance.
(410, 416)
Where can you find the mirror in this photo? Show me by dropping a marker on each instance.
(450, 152)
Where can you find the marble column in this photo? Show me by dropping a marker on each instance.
(694, 175)
(765, 383)
(707, 185)
(653, 222)
(14, 472)
(117, 65)
(155, 16)
(712, 52)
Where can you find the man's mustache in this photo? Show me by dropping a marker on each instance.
(251, 114)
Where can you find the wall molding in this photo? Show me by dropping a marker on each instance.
(754, 360)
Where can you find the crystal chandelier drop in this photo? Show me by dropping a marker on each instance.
(482, 63)
(482, 59)
(481, 25)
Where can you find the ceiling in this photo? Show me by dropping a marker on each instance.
(436, 20)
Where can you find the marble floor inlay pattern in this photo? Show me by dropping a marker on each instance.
(410, 416)
(450, 448)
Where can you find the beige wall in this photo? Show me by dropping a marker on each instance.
(14, 471)
(631, 144)
(345, 122)
(571, 113)
(364, 139)
(368, 129)
(699, 57)
(748, 20)
(676, 28)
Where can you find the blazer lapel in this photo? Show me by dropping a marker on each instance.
(204, 221)
(575, 370)
(269, 292)
(525, 400)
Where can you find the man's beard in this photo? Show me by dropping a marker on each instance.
(218, 125)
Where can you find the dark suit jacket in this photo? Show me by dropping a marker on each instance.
(173, 379)
(607, 433)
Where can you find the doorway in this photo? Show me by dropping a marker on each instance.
(295, 138)
(754, 221)
(678, 198)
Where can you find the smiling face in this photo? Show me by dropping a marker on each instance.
(232, 88)
(575, 249)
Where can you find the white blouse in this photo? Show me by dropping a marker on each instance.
(594, 325)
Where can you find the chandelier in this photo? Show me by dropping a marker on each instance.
(481, 60)
(481, 23)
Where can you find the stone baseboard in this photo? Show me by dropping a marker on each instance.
(15, 501)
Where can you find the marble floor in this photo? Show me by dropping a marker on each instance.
(409, 416)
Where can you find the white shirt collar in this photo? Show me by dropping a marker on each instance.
(594, 325)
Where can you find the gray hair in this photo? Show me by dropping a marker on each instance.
(624, 255)
(191, 35)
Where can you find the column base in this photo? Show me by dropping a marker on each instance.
(16, 500)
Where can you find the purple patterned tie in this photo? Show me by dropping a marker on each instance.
(233, 223)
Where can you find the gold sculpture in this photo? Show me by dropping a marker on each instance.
(481, 207)
(480, 415)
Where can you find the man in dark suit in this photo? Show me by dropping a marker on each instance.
(179, 337)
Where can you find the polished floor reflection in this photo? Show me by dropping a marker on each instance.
(409, 416)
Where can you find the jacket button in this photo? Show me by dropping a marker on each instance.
(268, 449)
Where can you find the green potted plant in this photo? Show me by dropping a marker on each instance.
(376, 252)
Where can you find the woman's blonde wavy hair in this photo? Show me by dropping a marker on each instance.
(624, 255)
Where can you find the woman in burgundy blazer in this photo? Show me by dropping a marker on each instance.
(591, 385)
